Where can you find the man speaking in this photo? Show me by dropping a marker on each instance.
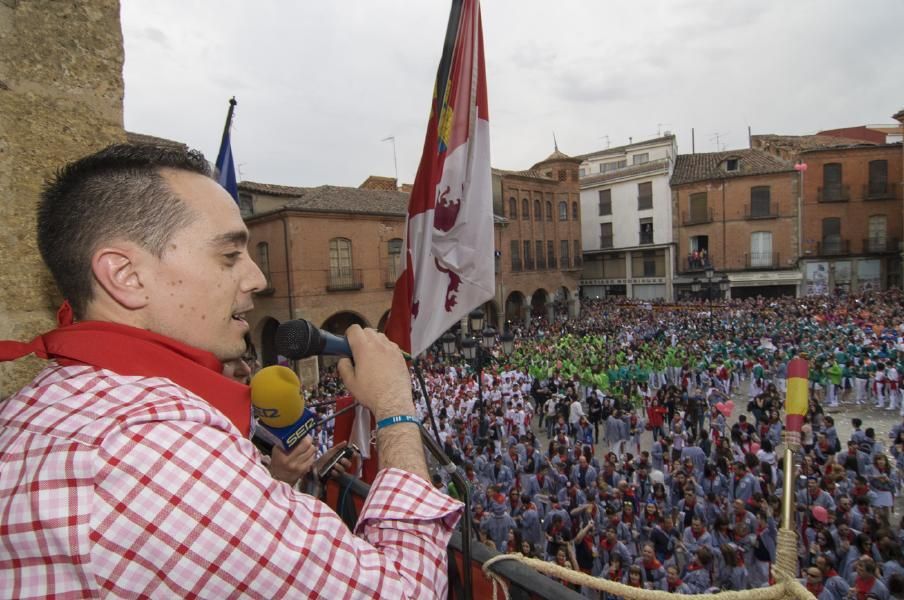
(125, 466)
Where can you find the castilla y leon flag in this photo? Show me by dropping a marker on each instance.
(449, 242)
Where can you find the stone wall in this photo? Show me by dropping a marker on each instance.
(61, 93)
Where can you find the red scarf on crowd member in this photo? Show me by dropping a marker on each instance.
(815, 588)
(652, 565)
(131, 351)
(864, 585)
(674, 586)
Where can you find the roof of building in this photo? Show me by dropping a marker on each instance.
(143, 138)
(272, 189)
(805, 143)
(557, 156)
(378, 182)
(631, 171)
(625, 148)
(533, 173)
(702, 167)
(899, 115)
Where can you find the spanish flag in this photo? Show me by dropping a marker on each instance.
(796, 402)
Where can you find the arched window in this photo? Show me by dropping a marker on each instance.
(263, 260)
(548, 210)
(525, 209)
(538, 211)
(563, 211)
(394, 248)
(574, 211)
(341, 271)
(513, 208)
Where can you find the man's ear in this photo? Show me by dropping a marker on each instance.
(119, 273)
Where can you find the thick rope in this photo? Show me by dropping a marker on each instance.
(786, 556)
(788, 588)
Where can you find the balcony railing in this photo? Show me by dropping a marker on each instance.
(517, 267)
(344, 280)
(833, 247)
(761, 260)
(691, 264)
(834, 193)
(541, 263)
(551, 263)
(697, 217)
(880, 245)
(646, 237)
(606, 241)
(392, 275)
(564, 262)
(770, 212)
(529, 264)
(878, 191)
(578, 262)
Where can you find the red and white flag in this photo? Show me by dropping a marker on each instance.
(449, 268)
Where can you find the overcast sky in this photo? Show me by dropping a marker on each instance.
(320, 84)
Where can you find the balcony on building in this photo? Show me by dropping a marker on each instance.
(753, 212)
(646, 237)
(697, 217)
(761, 260)
(529, 264)
(606, 241)
(341, 280)
(834, 193)
(578, 262)
(541, 263)
(881, 190)
(392, 275)
(693, 264)
(516, 265)
(879, 245)
(833, 246)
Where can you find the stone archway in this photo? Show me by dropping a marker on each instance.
(538, 301)
(381, 326)
(561, 301)
(267, 351)
(338, 322)
(514, 308)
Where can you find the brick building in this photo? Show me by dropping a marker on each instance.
(538, 238)
(735, 212)
(627, 224)
(332, 254)
(851, 210)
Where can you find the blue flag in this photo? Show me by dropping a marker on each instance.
(225, 165)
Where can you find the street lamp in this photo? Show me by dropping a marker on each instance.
(477, 348)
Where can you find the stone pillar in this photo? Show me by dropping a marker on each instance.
(61, 92)
(550, 311)
(629, 274)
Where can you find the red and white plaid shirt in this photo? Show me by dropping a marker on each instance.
(131, 486)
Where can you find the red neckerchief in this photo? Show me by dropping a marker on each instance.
(815, 588)
(608, 545)
(674, 586)
(694, 567)
(131, 351)
(697, 535)
(655, 564)
(864, 585)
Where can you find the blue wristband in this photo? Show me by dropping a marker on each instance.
(396, 419)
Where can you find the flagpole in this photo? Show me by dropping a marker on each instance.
(228, 126)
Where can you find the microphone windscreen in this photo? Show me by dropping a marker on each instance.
(297, 339)
(276, 396)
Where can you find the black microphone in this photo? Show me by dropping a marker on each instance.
(299, 339)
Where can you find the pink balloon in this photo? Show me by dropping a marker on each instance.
(730, 406)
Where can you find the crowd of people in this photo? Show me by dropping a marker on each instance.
(640, 442)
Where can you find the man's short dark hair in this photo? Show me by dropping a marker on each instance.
(118, 192)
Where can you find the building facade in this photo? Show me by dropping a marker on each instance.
(735, 213)
(851, 211)
(538, 239)
(627, 220)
